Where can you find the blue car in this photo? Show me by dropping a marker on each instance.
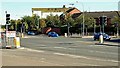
(53, 34)
(32, 33)
(105, 36)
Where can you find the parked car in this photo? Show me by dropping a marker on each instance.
(105, 36)
(32, 32)
(53, 34)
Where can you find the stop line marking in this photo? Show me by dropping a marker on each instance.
(77, 56)
(61, 47)
(34, 50)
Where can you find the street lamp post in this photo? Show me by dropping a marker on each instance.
(116, 24)
(83, 20)
(117, 31)
(83, 24)
(16, 23)
(94, 27)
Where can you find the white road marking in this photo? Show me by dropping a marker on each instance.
(42, 45)
(21, 48)
(87, 64)
(76, 56)
(84, 42)
(61, 47)
(34, 50)
(97, 45)
(104, 52)
(59, 54)
(42, 58)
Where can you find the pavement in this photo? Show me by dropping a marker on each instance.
(113, 42)
(107, 43)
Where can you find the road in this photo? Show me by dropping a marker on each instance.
(61, 51)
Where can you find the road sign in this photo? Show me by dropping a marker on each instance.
(10, 33)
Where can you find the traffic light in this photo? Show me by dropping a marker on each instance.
(103, 20)
(7, 18)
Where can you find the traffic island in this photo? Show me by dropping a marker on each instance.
(76, 37)
(108, 44)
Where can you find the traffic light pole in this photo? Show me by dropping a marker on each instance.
(7, 23)
(6, 31)
(103, 20)
(103, 28)
(100, 29)
(117, 31)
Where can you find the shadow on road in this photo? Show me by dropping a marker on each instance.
(115, 40)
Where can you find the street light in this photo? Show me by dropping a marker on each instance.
(83, 25)
(16, 23)
(83, 19)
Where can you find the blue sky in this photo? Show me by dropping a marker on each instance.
(20, 8)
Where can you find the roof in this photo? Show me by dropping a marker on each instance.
(69, 10)
(109, 14)
(73, 11)
(50, 9)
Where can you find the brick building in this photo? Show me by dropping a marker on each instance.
(110, 15)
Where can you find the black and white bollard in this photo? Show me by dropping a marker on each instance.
(65, 34)
(101, 39)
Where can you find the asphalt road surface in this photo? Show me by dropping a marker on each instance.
(61, 51)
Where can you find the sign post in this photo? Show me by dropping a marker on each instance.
(10, 41)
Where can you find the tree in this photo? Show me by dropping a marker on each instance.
(53, 21)
(69, 20)
(116, 19)
(3, 26)
(29, 21)
(36, 20)
(12, 25)
(116, 22)
(42, 23)
(18, 22)
(88, 20)
(57, 21)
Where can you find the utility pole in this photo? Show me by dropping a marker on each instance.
(117, 31)
(68, 26)
(116, 25)
(83, 22)
(0, 37)
(94, 27)
(7, 23)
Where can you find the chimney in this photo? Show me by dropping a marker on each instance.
(64, 6)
